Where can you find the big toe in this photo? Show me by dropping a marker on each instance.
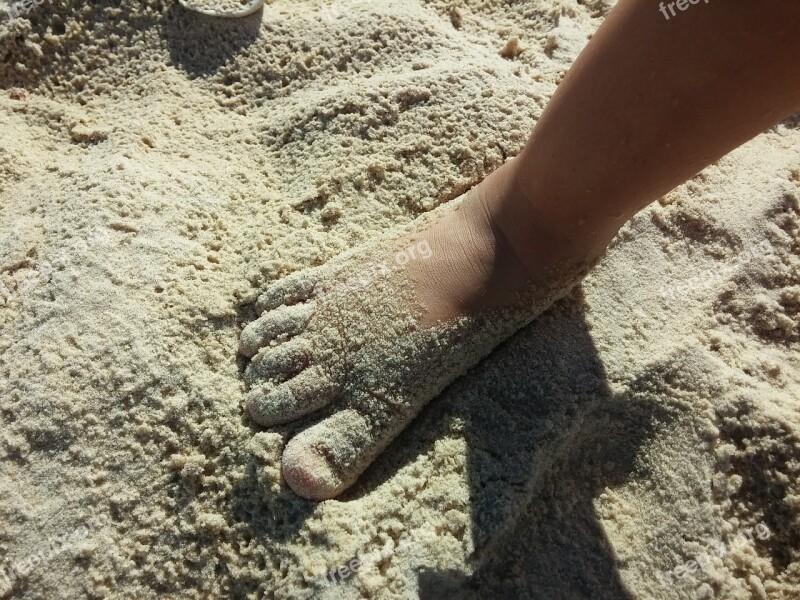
(308, 473)
(324, 460)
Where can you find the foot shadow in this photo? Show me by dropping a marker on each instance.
(539, 415)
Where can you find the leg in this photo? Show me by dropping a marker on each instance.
(647, 104)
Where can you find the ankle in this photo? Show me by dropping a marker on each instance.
(541, 243)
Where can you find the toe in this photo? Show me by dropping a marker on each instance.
(285, 320)
(273, 405)
(279, 363)
(327, 458)
(290, 290)
(308, 473)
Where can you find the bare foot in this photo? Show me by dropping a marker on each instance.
(382, 329)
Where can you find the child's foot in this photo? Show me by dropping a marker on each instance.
(384, 328)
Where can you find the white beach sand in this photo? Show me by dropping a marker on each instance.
(165, 167)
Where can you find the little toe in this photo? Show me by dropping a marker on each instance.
(279, 363)
(274, 405)
(324, 460)
(284, 320)
(295, 288)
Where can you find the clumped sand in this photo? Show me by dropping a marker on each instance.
(166, 167)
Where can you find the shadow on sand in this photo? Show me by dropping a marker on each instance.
(545, 435)
(200, 44)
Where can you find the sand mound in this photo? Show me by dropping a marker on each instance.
(166, 166)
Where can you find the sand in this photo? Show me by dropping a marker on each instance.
(641, 439)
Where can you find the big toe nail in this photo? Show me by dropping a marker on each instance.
(307, 473)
